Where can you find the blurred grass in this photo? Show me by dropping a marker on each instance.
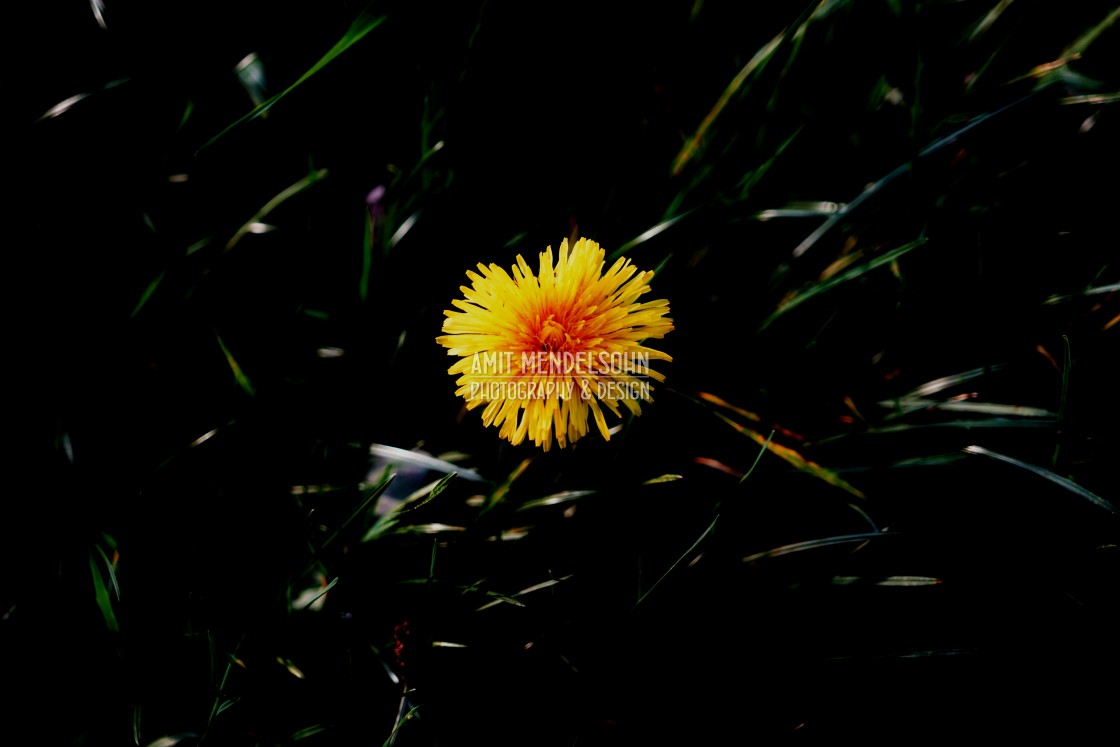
(346, 556)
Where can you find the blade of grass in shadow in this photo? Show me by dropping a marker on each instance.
(967, 425)
(238, 374)
(843, 539)
(758, 457)
(311, 179)
(1067, 364)
(308, 732)
(147, 294)
(755, 64)
(1046, 474)
(101, 594)
(844, 277)
(702, 536)
(362, 25)
(367, 501)
(678, 561)
(751, 179)
(499, 495)
(875, 187)
(367, 258)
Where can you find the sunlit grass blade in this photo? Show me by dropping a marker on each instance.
(426, 493)
(515, 597)
(979, 408)
(67, 104)
(1048, 72)
(715, 400)
(1046, 474)
(800, 210)
(844, 539)
(238, 374)
(253, 223)
(1101, 289)
(362, 25)
(432, 528)
(899, 581)
(306, 604)
(646, 235)
(989, 19)
(556, 499)
(844, 277)
(416, 459)
(98, 9)
(785, 453)
(945, 382)
(1090, 98)
(663, 478)
(402, 718)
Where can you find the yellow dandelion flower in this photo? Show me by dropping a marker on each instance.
(540, 352)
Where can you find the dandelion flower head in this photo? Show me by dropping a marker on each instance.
(543, 353)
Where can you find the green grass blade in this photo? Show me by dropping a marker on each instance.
(646, 236)
(758, 457)
(367, 258)
(844, 277)
(101, 594)
(844, 539)
(678, 561)
(147, 294)
(238, 374)
(755, 64)
(1046, 474)
(426, 493)
(362, 25)
(310, 180)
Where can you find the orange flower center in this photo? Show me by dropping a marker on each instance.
(553, 336)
